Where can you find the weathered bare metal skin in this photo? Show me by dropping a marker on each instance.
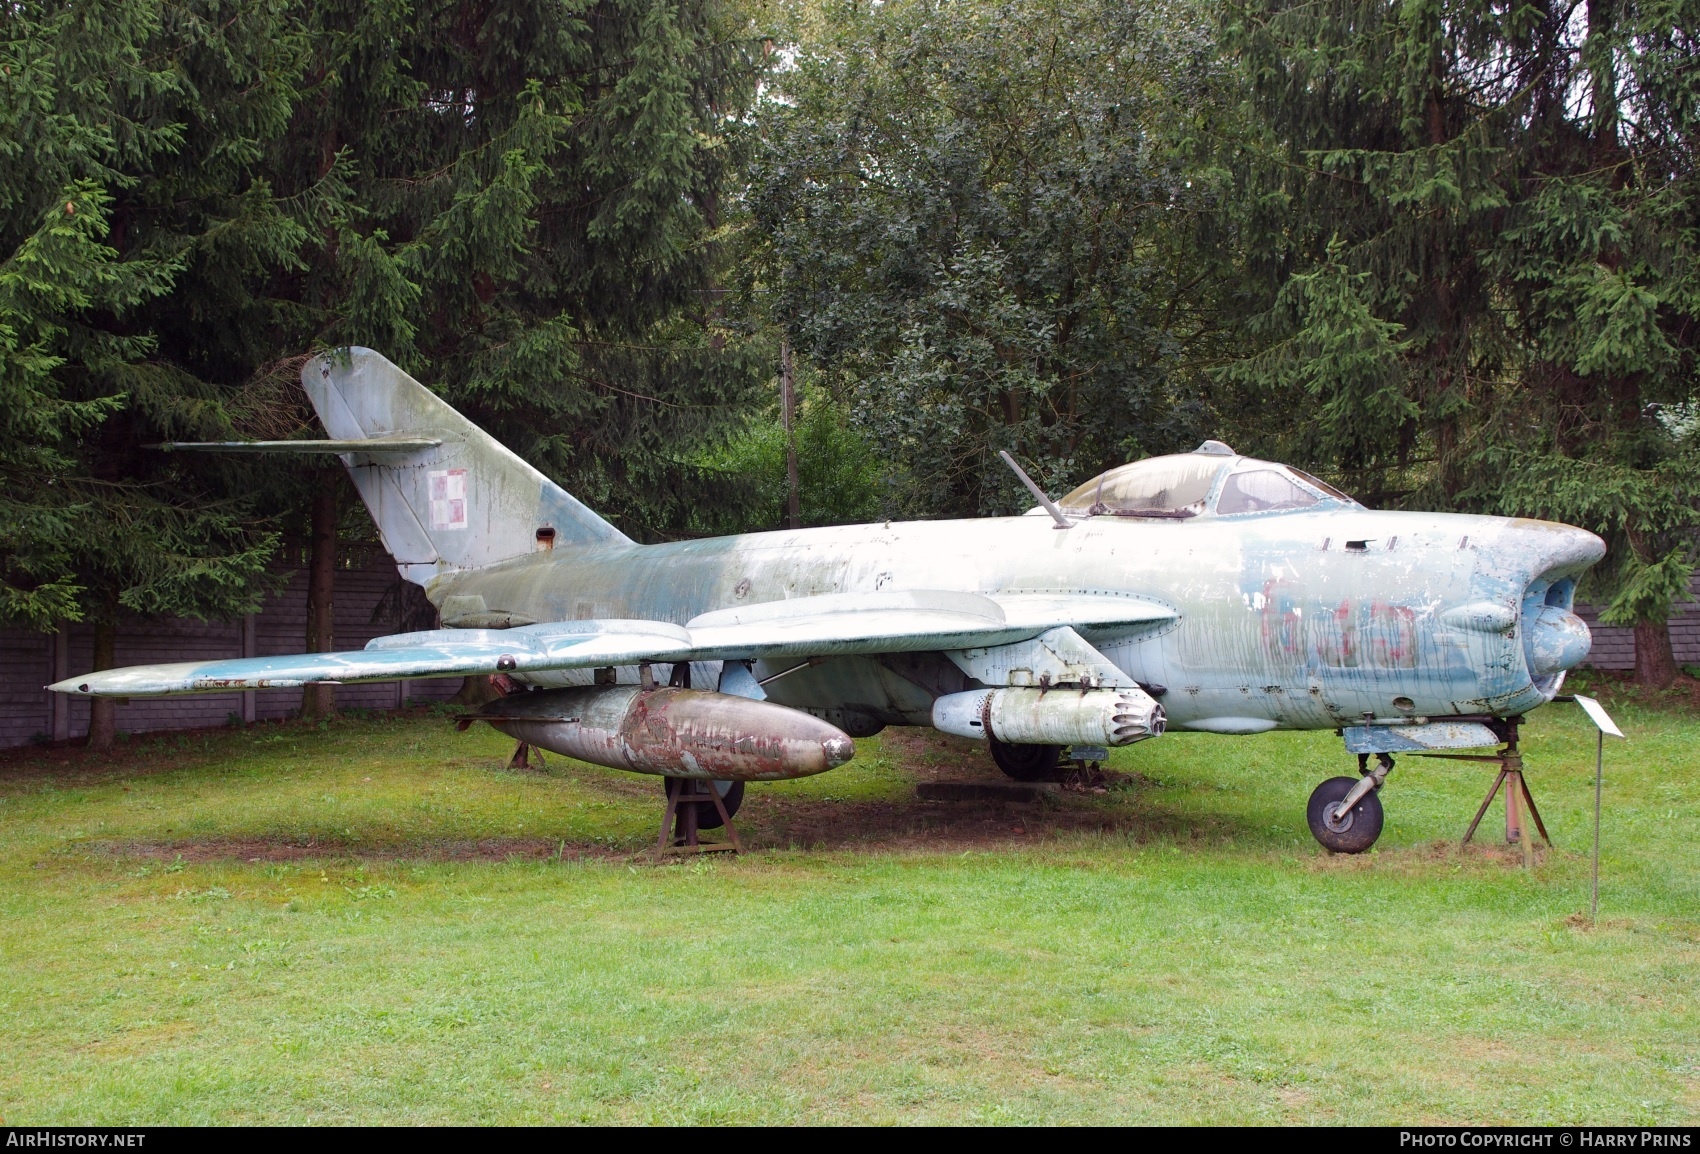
(1072, 717)
(1276, 619)
(1065, 716)
(673, 732)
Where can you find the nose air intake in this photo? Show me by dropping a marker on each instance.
(1554, 637)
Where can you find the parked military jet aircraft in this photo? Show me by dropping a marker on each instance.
(1202, 591)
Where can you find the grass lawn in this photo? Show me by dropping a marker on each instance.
(376, 922)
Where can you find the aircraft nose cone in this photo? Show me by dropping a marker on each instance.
(838, 750)
(1557, 640)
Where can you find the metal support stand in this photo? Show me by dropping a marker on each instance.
(1510, 763)
(1085, 777)
(1603, 724)
(1085, 772)
(1599, 785)
(526, 757)
(1515, 785)
(684, 794)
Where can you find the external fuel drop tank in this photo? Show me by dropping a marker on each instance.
(673, 732)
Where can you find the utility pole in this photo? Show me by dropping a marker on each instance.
(788, 408)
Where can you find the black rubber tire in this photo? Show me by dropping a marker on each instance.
(732, 796)
(1362, 824)
(1026, 762)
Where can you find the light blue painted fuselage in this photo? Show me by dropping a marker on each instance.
(1244, 595)
(1303, 620)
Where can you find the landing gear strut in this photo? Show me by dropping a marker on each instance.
(1345, 815)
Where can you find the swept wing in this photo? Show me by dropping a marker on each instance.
(823, 625)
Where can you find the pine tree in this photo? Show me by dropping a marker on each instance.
(1598, 252)
(518, 202)
(101, 100)
(1468, 239)
(979, 223)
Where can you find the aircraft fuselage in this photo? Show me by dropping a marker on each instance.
(1296, 620)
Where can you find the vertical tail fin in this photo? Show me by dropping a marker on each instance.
(461, 502)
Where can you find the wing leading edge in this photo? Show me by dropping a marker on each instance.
(825, 625)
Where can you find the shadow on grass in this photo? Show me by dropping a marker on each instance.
(884, 812)
(904, 824)
(912, 823)
(276, 849)
(1130, 809)
(71, 763)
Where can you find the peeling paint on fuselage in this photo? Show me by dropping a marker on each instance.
(1307, 619)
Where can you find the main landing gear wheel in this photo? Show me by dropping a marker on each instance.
(731, 796)
(1343, 830)
(1026, 762)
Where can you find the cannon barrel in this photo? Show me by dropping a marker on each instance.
(673, 732)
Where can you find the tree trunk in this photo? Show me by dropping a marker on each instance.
(1655, 662)
(103, 711)
(788, 411)
(320, 700)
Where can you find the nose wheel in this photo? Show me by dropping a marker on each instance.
(1344, 814)
(1026, 762)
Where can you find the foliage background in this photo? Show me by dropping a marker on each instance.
(1441, 253)
(979, 220)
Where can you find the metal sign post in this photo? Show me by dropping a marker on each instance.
(1604, 724)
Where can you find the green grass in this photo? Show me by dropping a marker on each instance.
(424, 936)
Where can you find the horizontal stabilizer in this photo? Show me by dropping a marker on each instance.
(328, 448)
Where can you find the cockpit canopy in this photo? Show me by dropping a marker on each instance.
(1212, 479)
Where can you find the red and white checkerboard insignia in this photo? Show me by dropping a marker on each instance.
(448, 499)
